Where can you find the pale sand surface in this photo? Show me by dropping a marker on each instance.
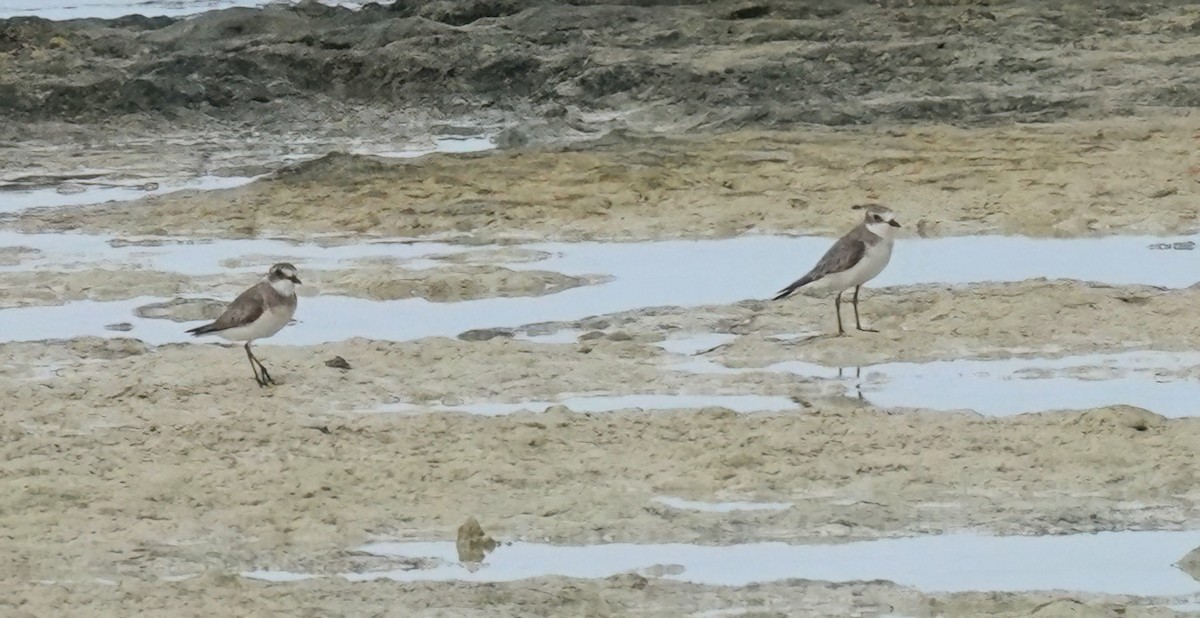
(127, 463)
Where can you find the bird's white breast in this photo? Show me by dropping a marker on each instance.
(874, 260)
(267, 324)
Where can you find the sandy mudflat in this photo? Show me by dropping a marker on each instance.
(130, 463)
(502, 370)
(138, 463)
(1079, 178)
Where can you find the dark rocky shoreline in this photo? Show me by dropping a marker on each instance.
(713, 65)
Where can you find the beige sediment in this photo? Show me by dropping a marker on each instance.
(128, 463)
(1036, 317)
(1074, 178)
(221, 593)
(171, 461)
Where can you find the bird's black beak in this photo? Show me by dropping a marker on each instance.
(894, 223)
(295, 279)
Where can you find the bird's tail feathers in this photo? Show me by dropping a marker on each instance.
(796, 285)
(201, 330)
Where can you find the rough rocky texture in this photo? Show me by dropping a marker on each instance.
(729, 62)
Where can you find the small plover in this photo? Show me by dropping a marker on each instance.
(258, 313)
(853, 260)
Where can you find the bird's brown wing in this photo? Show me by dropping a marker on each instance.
(843, 255)
(244, 309)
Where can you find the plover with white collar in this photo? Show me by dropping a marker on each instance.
(258, 313)
(853, 260)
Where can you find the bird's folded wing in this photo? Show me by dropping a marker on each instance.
(843, 255)
(244, 309)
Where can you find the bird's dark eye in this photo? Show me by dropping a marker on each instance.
(876, 218)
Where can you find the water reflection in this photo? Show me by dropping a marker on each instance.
(1135, 563)
(1156, 381)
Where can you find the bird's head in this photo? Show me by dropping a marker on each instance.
(879, 219)
(283, 278)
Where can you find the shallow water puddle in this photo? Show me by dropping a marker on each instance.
(463, 144)
(207, 257)
(1015, 386)
(1138, 563)
(695, 343)
(684, 273)
(1008, 386)
(609, 403)
(16, 200)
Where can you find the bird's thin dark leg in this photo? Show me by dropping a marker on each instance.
(837, 308)
(858, 324)
(265, 379)
(253, 365)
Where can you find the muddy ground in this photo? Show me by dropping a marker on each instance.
(130, 463)
(142, 480)
(1069, 179)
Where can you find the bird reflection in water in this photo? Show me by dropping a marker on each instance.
(842, 375)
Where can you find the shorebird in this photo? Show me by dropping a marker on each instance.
(853, 260)
(258, 313)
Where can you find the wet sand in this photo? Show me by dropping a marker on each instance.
(147, 473)
(166, 461)
(1070, 179)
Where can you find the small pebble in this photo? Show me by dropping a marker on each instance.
(337, 362)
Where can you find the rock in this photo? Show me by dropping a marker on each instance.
(472, 544)
(310, 61)
(485, 334)
(123, 327)
(1119, 417)
(337, 362)
(183, 310)
(512, 138)
(750, 11)
(1190, 564)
